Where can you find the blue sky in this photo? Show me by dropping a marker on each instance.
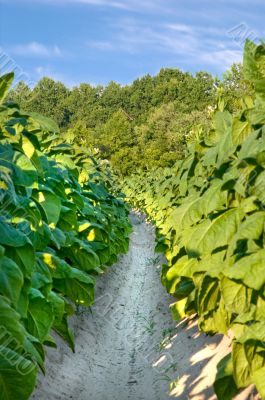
(101, 40)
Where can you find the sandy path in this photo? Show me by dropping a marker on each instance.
(127, 346)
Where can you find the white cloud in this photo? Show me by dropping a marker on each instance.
(36, 49)
(48, 71)
(130, 36)
(180, 28)
(184, 42)
(224, 58)
(110, 3)
(132, 5)
(169, 36)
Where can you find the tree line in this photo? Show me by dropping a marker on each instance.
(141, 125)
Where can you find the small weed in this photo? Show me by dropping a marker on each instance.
(172, 367)
(167, 335)
(149, 325)
(166, 378)
(163, 344)
(153, 261)
(174, 384)
(168, 332)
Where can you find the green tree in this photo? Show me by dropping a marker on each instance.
(235, 88)
(48, 97)
(21, 94)
(81, 134)
(112, 97)
(113, 137)
(157, 146)
(83, 105)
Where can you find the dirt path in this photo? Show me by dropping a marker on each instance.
(127, 346)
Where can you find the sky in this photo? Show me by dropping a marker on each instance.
(96, 41)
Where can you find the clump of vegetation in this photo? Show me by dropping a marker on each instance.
(209, 213)
(60, 227)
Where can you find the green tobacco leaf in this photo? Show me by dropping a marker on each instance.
(22, 307)
(250, 270)
(259, 186)
(183, 288)
(214, 198)
(12, 237)
(225, 149)
(45, 123)
(222, 122)
(83, 256)
(212, 264)
(68, 219)
(178, 309)
(224, 385)
(51, 204)
(24, 172)
(58, 306)
(30, 151)
(182, 267)
(50, 342)
(241, 366)
(66, 160)
(208, 295)
(63, 330)
(251, 146)
(250, 229)
(5, 83)
(187, 214)
(42, 237)
(255, 331)
(259, 381)
(236, 296)
(240, 131)
(11, 279)
(254, 59)
(17, 375)
(58, 237)
(215, 320)
(35, 351)
(260, 309)
(40, 315)
(41, 277)
(210, 235)
(60, 324)
(11, 324)
(78, 286)
(75, 284)
(24, 257)
(256, 116)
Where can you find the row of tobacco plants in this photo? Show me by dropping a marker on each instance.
(60, 227)
(210, 212)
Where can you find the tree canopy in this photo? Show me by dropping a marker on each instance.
(145, 124)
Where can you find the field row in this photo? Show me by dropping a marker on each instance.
(209, 213)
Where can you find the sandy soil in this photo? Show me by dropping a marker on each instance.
(127, 346)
